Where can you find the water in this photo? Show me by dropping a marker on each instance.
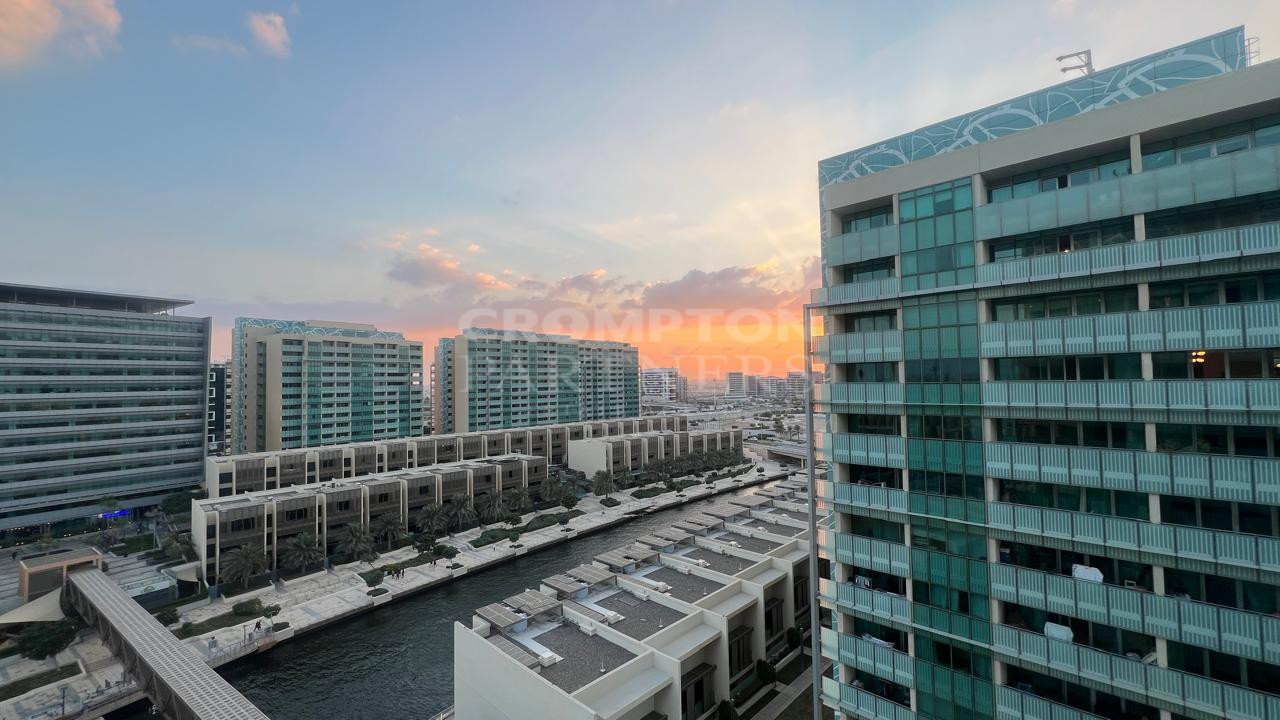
(397, 661)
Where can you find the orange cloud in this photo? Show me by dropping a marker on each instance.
(269, 31)
(28, 27)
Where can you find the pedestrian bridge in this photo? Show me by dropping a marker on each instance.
(179, 682)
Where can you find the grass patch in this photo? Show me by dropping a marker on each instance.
(39, 680)
(610, 502)
(493, 535)
(377, 591)
(214, 623)
(648, 492)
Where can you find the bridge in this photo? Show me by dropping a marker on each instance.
(179, 682)
(781, 449)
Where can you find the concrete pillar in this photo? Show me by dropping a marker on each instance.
(1144, 296)
(1135, 153)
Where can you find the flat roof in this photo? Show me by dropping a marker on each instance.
(582, 657)
(532, 602)
(589, 574)
(564, 584)
(641, 618)
(726, 564)
(498, 615)
(688, 587)
(86, 299)
(754, 544)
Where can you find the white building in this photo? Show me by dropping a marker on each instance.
(666, 384)
(735, 385)
(665, 627)
(628, 453)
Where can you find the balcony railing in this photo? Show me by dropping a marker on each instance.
(873, 707)
(1179, 542)
(1134, 676)
(852, 247)
(1177, 250)
(871, 496)
(880, 660)
(861, 449)
(1218, 477)
(1242, 173)
(1247, 325)
(1014, 704)
(875, 346)
(878, 555)
(1202, 395)
(859, 393)
(883, 289)
(1227, 630)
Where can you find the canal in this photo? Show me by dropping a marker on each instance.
(397, 661)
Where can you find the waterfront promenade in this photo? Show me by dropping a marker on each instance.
(318, 599)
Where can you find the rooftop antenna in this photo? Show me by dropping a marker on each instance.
(1084, 58)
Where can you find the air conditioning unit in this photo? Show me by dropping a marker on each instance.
(549, 659)
(663, 587)
(614, 618)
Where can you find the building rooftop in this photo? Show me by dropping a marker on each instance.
(690, 588)
(642, 617)
(754, 544)
(86, 299)
(583, 657)
(726, 564)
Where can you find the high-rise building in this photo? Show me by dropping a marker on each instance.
(305, 383)
(751, 385)
(493, 379)
(735, 385)
(665, 384)
(103, 401)
(1053, 346)
(796, 384)
(216, 436)
(771, 386)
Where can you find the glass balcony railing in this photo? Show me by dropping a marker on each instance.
(878, 659)
(1180, 544)
(876, 604)
(1014, 704)
(1203, 395)
(852, 247)
(878, 555)
(1218, 477)
(1178, 250)
(883, 289)
(1246, 172)
(870, 496)
(1134, 676)
(876, 346)
(860, 393)
(863, 704)
(1248, 325)
(1227, 630)
(860, 449)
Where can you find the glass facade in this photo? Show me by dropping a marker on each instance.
(103, 405)
(1054, 470)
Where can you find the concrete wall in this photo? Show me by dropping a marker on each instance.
(521, 694)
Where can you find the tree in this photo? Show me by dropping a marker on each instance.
(726, 711)
(176, 503)
(167, 616)
(602, 484)
(518, 500)
(423, 542)
(388, 529)
(356, 543)
(492, 508)
(243, 564)
(374, 578)
(448, 552)
(40, 640)
(461, 511)
(766, 672)
(301, 551)
(432, 520)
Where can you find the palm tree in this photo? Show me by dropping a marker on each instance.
(243, 564)
(301, 551)
(356, 544)
(387, 528)
(462, 511)
(518, 500)
(432, 520)
(602, 483)
(492, 508)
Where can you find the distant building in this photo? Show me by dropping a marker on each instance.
(305, 383)
(633, 452)
(666, 384)
(751, 384)
(735, 385)
(796, 385)
(490, 379)
(103, 404)
(216, 437)
(771, 386)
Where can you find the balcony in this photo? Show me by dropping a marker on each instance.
(1014, 704)
(876, 346)
(861, 703)
(883, 289)
(1135, 677)
(859, 393)
(1242, 173)
(1217, 477)
(1177, 250)
(1248, 325)
(879, 555)
(1179, 546)
(1226, 400)
(853, 247)
(860, 449)
(881, 606)
(870, 496)
(880, 660)
(1227, 630)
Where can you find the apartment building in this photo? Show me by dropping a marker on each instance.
(103, 403)
(663, 384)
(216, 416)
(492, 379)
(267, 519)
(235, 474)
(1053, 357)
(305, 383)
(667, 626)
(735, 385)
(634, 451)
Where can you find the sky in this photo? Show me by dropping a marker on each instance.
(641, 171)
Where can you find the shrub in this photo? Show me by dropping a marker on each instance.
(564, 520)
(46, 639)
(247, 608)
(373, 578)
(610, 502)
(726, 711)
(277, 627)
(569, 502)
(447, 552)
(766, 672)
(167, 616)
(377, 591)
(270, 611)
(794, 637)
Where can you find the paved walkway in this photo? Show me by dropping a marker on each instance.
(788, 694)
(309, 602)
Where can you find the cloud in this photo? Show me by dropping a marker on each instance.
(193, 44)
(270, 33)
(84, 28)
(425, 265)
(473, 248)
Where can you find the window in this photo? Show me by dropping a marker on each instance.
(1089, 303)
(881, 372)
(1217, 439)
(1212, 143)
(872, 322)
(1069, 432)
(1062, 240)
(1082, 172)
(1236, 212)
(1239, 289)
(1120, 366)
(868, 271)
(867, 219)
